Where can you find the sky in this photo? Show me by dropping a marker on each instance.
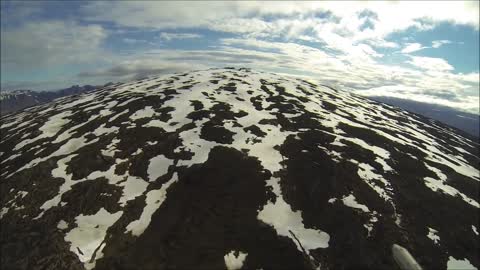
(423, 51)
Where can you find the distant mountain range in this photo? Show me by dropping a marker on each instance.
(466, 122)
(16, 100)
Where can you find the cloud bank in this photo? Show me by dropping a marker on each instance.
(351, 45)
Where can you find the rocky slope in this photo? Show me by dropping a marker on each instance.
(231, 168)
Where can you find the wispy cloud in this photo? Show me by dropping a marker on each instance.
(134, 41)
(430, 63)
(170, 36)
(208, 14)
(45, 44)
(136, 69)
(413, 47)
(428, 79)
(439, 43)
(354, 45)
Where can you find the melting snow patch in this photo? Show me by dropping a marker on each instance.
(283, 219)
(49, 129)
(160, 124)
(234, 262)
(110, 149)
(103, 130)
(375, 149)
(158, 166)
(369, 225)
(432, 234)
(138, 152)
(365, 171)
(14, 156)
(54, 124)
(87, 238)
(71, 146)
(93, 107)
(62, 225)
(475, 230)
(118, 115)
(133, 187)
(155, 198)
(454, 264)
(83, 100)
(3, 212)
(59, 172)
(350, 201)
(440, 184)
(384, 164)
(110, 174)
(144, 113)
(68, 133)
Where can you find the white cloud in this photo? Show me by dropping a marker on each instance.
(430, 63)
(48, 43)
(288, 19)
(381, 43)
(439, 43)
(430, 79)
(43, 52)
(170, 36)
(125, 70)
(435, 83)
(252, 26)
(133, 40)
(347, 54)
(415, 47)
(412, 47)
(391, 15)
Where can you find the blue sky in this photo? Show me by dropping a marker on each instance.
(425, 51)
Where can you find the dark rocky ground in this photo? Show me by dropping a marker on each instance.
(176, 172)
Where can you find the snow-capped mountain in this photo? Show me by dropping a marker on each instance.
(467, 122)
(233, 169)
(11, 101)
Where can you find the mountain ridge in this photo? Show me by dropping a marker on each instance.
(467, 122)
(11, 101)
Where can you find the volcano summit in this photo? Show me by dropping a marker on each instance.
(233, 169)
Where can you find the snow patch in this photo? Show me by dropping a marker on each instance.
(101, 130)
(235, 262)
(158, 166)
(62, 225)
(454, 264)
(132, 188)
(332, 200)
(87, 238)
(154, 200)
(350, 201)
(143, 113)
(49, 129)
(432, 234)
(440, 184)
(283, 219)
(475, 230)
